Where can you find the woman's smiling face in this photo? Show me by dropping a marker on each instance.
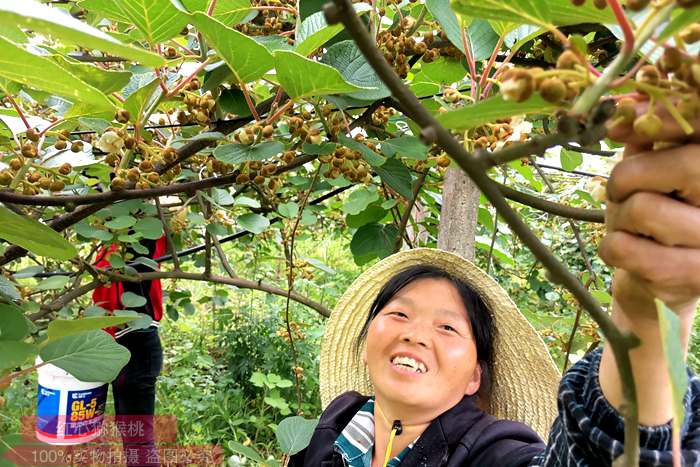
(420, 350)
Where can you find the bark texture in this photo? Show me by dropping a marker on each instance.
(458, 215)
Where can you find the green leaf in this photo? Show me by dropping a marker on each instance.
(258, 379)
(246, 451)
(247, 59)
(106, 81)
(294, 434)
(254, 223)
(441, 71)
(289, 210)
(359, 199)
(237, 153)
(42, 73)
(405, 146)
(60, 328)
(683, 17)
(602, 296)
(150, 227)
(138, 101)
(132, 300)
(370, 214)
(8, 289)
(14, 326)
(570, 160)
(482, 39)
(372, 241)
(301, 77)
(33, 236)
(247, 202)
(314, 31)
(43, 19)
(158, 20)
(233, 101)
(318, 149)
(540, 12)
(395, 174)
(229, 12)
(52, 283)
(352, 65)
(116, 260)
(121, 222)
(148, 262)
(91, 356)
(443, 14)
(14, 353)
(370, 156)
(671, 338)
(221, 197)
(490, 110)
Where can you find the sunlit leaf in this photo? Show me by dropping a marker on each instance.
(43, 19)
(294, 434)
(247, 59)
(34, 236)
(492, 109)
(301, 77)
(91, 356)
(158, 20)
(59, 328)
(17, 64)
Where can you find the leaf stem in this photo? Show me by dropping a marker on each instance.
(248, 100)
(470, 61)
(621, 17)
(19, 111)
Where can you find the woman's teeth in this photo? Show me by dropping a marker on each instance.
(408, 362)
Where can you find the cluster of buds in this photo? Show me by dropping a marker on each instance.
(297, 334)
(221, 217)
(254, 133)
(380, 117)
(257, 172)
(216, 167)
(493, 136)
(63, 140)
(397, 46)
(179, 222)
(349, 163)
(677, 73)
(200, 109)
(518, 84)
(299, 126)
(271, 21)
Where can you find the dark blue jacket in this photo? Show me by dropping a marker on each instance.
(463, 436)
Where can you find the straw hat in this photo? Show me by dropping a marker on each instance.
(524, 377)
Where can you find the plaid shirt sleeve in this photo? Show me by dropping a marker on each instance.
(589, 431)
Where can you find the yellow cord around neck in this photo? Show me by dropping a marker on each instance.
(394, 430)
(387, 456)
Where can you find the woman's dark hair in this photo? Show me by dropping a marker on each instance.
(479, 315)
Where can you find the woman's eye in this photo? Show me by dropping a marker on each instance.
(398, 313)
(447, 327)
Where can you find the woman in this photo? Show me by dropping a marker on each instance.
(427, 358)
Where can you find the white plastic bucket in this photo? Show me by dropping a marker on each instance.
(68, 411)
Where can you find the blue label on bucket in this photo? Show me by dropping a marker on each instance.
(85, 410)
(47, 410)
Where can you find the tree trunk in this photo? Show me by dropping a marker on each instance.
(459, 213)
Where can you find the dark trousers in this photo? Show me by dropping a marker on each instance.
(134, 393)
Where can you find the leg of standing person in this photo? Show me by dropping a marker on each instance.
(134, 393)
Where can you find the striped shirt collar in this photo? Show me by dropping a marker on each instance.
(356, 441)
